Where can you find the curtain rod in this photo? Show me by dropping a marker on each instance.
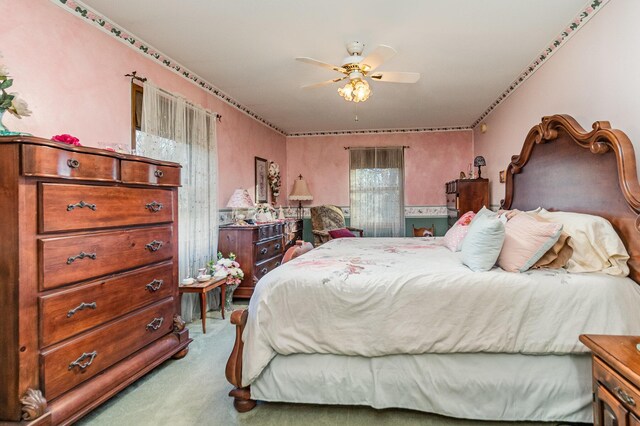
(136, 78)
(379, 147)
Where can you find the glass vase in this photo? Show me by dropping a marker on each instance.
(6, 132)
(228, 298)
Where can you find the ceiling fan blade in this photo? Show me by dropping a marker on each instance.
(378, 56)
(396, 77)
(323, 83)
(321, 64)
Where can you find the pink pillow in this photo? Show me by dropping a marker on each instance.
(454, 236)
(466, 218)
(526, 241)
(341, 233)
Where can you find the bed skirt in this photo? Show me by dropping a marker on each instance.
(479, 386)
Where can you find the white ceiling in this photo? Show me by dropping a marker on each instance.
(468, 52)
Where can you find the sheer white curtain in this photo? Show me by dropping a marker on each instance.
(376, 187)
(174, 130)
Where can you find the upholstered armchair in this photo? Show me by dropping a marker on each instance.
(324, 219)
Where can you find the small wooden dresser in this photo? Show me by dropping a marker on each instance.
(259, 249)
(616, 379)
(464, 195)
(88, 276)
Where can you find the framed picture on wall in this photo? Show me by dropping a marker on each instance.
(262, 183)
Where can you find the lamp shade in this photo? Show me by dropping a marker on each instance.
(240, 199)
(479, 161)
(300, 191)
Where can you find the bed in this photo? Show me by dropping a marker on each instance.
(403, 323)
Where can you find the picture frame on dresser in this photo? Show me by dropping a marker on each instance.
(262, 183)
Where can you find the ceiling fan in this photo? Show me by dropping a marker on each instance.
(357, 68)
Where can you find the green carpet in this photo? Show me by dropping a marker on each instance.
(193, 391)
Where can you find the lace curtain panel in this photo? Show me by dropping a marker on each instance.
(174, 130)
(376, 188)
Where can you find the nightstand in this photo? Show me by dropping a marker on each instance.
(616, 379)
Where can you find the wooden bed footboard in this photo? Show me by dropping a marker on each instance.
(241, 395)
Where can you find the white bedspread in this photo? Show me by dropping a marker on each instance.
(374, 297)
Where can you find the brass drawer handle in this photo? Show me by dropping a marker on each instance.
(264, 251)
(154, 285)
(158, 173)
(81, 307)
(155, 324)
(78, 362)
(81, 255)
(625, 397)
(81, 205)
(154, 245)
(154, 206)
(73, 163)
(264, 271)
(278, 246)
(277, 264)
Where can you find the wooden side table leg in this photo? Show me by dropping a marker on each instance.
(203, 311)
(223, 297)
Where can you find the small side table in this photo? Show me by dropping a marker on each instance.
(203, 288)
(616, 379)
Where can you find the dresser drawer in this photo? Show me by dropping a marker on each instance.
(68, 312)
(73, 207)
(72, 363)
(267, 249)
(261, 269)
(626, 392)
(145, 173)
(53, 162)
(65, 260)
(269, 231)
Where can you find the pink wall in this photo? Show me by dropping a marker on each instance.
(432, 159)
(594, 76)
(72, 76)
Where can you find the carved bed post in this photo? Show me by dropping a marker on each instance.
(241, 395)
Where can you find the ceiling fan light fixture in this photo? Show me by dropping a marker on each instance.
(355, 90)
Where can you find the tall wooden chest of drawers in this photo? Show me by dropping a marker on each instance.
(259, 249)
(465, 195)
(88, 276)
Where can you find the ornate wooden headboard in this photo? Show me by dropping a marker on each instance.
(564, 167)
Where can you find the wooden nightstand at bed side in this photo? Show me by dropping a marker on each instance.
(616, 379)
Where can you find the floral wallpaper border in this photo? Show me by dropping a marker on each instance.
(81, 10)
(379, 131)
(578, 22)
(225, 215)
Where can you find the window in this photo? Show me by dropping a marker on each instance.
(376, 186)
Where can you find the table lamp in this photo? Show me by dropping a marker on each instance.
(240, 199)
(300, 193)
(479, 162)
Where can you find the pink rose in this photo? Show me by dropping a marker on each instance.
(68, 139)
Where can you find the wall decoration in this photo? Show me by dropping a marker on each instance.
(261, 180)
(502, 176)
(274, 180)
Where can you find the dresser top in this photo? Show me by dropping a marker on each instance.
(32, 140)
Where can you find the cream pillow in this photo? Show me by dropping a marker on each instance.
(596, 245)
(526, 241)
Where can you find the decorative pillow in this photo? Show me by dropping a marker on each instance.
(481, 247)
(466, 218)
(454, 237)
(558, 255)
(526, 241)
(341, 233)
(596, 245)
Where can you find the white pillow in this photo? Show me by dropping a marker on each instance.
(481, 247)
(596, 245)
